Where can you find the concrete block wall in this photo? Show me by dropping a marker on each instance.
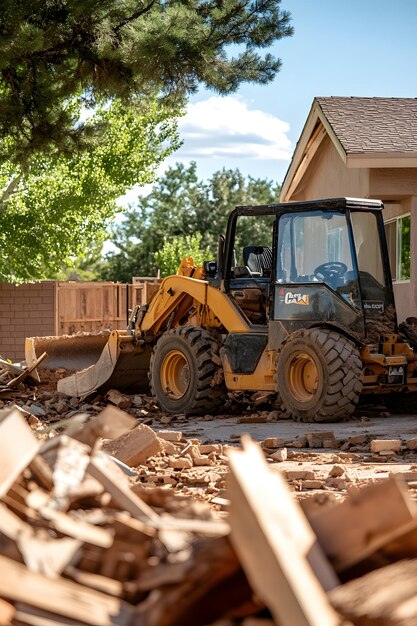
(25, 311)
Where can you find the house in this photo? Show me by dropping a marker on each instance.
(365, 147)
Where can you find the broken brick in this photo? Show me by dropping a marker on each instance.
(381, 445)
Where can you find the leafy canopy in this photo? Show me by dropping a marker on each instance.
(168, 259)
(94, 50)
(55, 205)
(181, 204)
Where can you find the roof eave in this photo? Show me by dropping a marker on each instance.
(381, 160)
(316, 114)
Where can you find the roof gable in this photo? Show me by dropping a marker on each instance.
(367, 132)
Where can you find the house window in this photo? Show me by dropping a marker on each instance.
(397, 232)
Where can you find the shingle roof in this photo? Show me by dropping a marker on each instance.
(369, 125)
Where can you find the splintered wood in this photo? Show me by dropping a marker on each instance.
(84, 542)
(79, 546)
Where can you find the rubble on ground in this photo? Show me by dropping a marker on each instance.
(110, 500)
(88, 539)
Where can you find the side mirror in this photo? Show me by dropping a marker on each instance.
(210, 269)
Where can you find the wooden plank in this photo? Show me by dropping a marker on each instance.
(28, 370)
(106, 472)
(351, 531)
(45, 555)
(11, 525)
(95, 581)
(310, 150)
(18, 447)
(30, 616)
(42, 472)
(78, 529)
(7, 612)
(384, 597)
(276, 546)
(61, 596)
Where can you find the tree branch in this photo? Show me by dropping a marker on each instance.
(10, 188)
(134, 16)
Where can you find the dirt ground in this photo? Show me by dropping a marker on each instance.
(223, 430)
(329, 457)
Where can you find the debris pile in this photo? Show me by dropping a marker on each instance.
(100, 526)
(79, 546)
(13, 374)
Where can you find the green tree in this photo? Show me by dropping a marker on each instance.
(180, 204)
(174, 250)
(55, 206)
(52, 51)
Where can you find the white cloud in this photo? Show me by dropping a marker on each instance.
(226, 127)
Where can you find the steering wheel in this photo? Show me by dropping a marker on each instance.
(332, 269)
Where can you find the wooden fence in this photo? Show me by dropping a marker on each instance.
(88, 307)
(65, 308)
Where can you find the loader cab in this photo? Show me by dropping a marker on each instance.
(308, 263)
(249, 261)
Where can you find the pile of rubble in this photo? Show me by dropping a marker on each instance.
(99, 526)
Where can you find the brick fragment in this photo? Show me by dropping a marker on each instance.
(136, 446)
(412, 444)
(274, 416)
(118, 399)
(315, 440)
(280, 455)
(168, 447)
(337, 470)
(273, 442)
(252, 419)
(357, 440)
(380, 445)
(299, 475)
(169, 435)
(180, 463)
(208, 448)
(313, 484)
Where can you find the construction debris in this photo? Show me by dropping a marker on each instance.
(135, 521)
(78, 546)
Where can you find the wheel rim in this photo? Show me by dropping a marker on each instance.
(303, 377)
(175, 375)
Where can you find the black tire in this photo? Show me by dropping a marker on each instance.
(319, 375)
(402, 403)
(182, 374)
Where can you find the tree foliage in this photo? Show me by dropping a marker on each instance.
(57, 204)
(94, 50)
(180, 204)
(174, 250)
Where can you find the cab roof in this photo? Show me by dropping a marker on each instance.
(326, 204)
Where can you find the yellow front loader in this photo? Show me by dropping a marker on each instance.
(306, 312)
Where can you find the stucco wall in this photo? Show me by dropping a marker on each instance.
(328, 177)
(392, 183)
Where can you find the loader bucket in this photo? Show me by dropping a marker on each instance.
(72, 352)
(122, 364)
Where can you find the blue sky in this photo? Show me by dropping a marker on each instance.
(339, 48)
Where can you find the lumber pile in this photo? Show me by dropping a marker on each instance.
(86, 540)
(79, 546)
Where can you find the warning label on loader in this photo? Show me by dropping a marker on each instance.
(373, 306)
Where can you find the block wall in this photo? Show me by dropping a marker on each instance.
(28, 310)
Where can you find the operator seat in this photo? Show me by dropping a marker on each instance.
(258, 259)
